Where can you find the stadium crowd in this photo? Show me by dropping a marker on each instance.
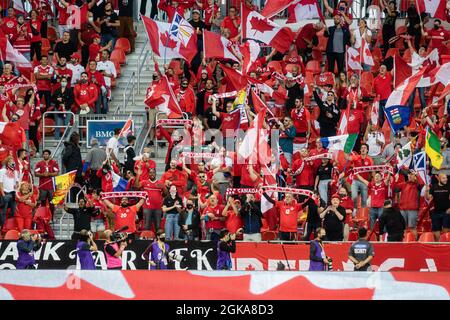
(313, 90)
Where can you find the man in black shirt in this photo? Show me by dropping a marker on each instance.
(82, 215)
(361, 252)
(130, 154)
(64, 48)
(126, 28)
(329, 113)
(315, 208)
(392, 222)
(440, 217)
(198, 25)
(333, 219)
(413, 23)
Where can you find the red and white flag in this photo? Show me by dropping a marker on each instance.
(304, 10)
(401, 94)
(374, 111)
(256, 26)
(12, 135)
(353, 59)
(436, 8)
(343, 121)
(367, 57)
(9, 53)
(127, 127)
(161, 97)
(169, 45)
(401, 69)
(273, 7)
(216, 46)
(254, 146)
(250, 51)
(18, 6)
(236, 79)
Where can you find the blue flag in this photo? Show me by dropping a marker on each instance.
(398, 116)
(119, 183)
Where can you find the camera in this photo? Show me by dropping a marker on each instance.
(175, 257)
(118, 236)
(330, 264)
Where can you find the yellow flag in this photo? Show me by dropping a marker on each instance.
(62, 185)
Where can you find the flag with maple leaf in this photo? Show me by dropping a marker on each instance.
(353, 59)
(257, 27)
(237, 80)
(216, 46)
(167, 45)
(304, 10)
(160, 96)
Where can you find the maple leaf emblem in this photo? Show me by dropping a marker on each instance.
(167, 41)
(250, 268)
(260, 25)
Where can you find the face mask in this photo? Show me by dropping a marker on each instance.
(436, 27)
(189, 206)
(63, 84)
(162, 239)
(342, 195)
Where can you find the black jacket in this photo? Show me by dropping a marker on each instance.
(130, 154)
(71, 158)
(392, 219)
(251, 216)
(66, 97)
(82, 217)
(324, 108)
(194, 227)
(330, 34)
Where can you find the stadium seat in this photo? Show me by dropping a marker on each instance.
(123, 44)
(46, 47)
(268, 235)
(148, 234)
(409, 237)
(119, 56)
(427, 237)
(445, 237)
(52, 35)
(12, 235)
(10, 224)
(314, 67)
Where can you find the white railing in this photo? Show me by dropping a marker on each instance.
(141, 62)
(128, 93)
(45, 140)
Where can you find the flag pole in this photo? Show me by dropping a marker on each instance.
(204, 52)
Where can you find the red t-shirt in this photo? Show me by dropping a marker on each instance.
(383, 85)
(355, 120)
(377, 193)
(94, 50)
(208, 11)
(230, 121)
(288, 215)
(125, 217)
(24, 210)
(44, 84)
(150, 164)
(358, 161)
(300, 118)
(66, 73)
(245, 176)
(228, 23)
(437, 39)
(45, 183)
(24, 114)
(306, 176)
(217, 211)
(154, 191)
(233, 222)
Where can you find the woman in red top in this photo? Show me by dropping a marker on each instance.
(36, 39)
(26, 201)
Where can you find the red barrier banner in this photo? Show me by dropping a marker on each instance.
(388, 256)
(221, 285)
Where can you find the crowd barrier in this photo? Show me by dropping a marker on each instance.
(249, 256)
(221, 285)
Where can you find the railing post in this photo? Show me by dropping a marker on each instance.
(139, 75)
(133, 95)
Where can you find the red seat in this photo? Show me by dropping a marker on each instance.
(123, 44)
(409, 237)
(52, 35)
(445, 237)
(427, 237)
(148, 234)
(119, 56)
(268, 235)
(314, 67)
(10, 224)
(46, 47)
(12, 235)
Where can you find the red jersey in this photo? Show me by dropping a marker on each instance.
(51, 166)
(437, 39)
(233, 222)
(94, 51)
(125, 217)
(288, 215)
(9, 26)
(355, 121)
(246, 180)
(228, 23)
(217, 212)
(301, 118)
(306, 175)
(171, 10)
(36, 25)
(178, 178)
(307, 32)
(107, 179)
(63, 73)
(208, 12)
(85, 93)
(378, 194)
(230, 123)
(186, 99)
(63, 13)
(25, 211)
(154, 191)
(24, 114)
(145, 166)
(383, 85)
(409, 195)
(358, 161)
(44, 84)
(20, 41)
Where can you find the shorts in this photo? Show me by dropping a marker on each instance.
(410, 217)
(440, 220)
(97, 225)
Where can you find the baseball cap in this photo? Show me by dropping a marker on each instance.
(76, 55)
(195, 11)
(336, 195)
(96, 36)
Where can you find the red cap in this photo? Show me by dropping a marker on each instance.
(76, 55)
(336, 195)
(96, 36)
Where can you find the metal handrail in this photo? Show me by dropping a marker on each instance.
(126, 97)
(140, 65)
(56, 127)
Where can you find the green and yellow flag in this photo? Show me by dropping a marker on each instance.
(433, 149)
(61, 185)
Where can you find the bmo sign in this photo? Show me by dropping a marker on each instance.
(103, 130)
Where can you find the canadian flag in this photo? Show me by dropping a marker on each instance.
(436, 8)
(236, 79)
(256, 26)
(12, 135)
(9, 53)
(304, 10)
(18, 6)
(367, 57)
(127, 127)
(250, 51)
(171, 40)
(353, 59)
(161, 97)
(401, 94)
(216, 46)
(272, 7)
(403, 70)
(374, 111)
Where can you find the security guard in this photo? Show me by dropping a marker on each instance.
(361, 252)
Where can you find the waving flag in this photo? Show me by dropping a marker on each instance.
(402, 70)
(401, 94)
(344, 143)
(170, 41)
(18, 6)
(353, 59)
(304, 10)
(433, 149)
(367, 57)
(420, 165)
(436, 8)
(12, 135)
(216, 46)
(237, 80)
(273, 7)
(404, 156)
(254, 145)
(9, 53)
(127, 127)
(119, 183)
(398, 116)
(250, 52)
(161, 96)
(62, 185)
(257, 27)
(374, 116)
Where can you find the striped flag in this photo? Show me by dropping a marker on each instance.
(344, 143)
(62, 185)
(119, 183)
(433, 149)
(420, 165)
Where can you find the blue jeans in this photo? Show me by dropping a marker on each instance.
(356, 187)
(172, 229)
(107, 37)
(323, 189)
(423, 103)
(9, 201)
(375, 213)
(61, 120)
(101, 105)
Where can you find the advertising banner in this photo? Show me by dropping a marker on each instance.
(103, 130)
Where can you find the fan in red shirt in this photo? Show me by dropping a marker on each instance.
(209, 10)
(62, 72)
(85, 94)
(360, 181)
(438, 37)
(231, 211)
(26, 201)
(230, 119)
(303, 171)
(9, 25)
(105, 172)
(125, 215)
(232, 23)
(301, 117)
(175, 177)
(250, 175)
(215, 221)
(171, 7)
(382, 85)
(289, 211)
(378, 193)
(347, 204)
(186, 97)
(144, 165)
